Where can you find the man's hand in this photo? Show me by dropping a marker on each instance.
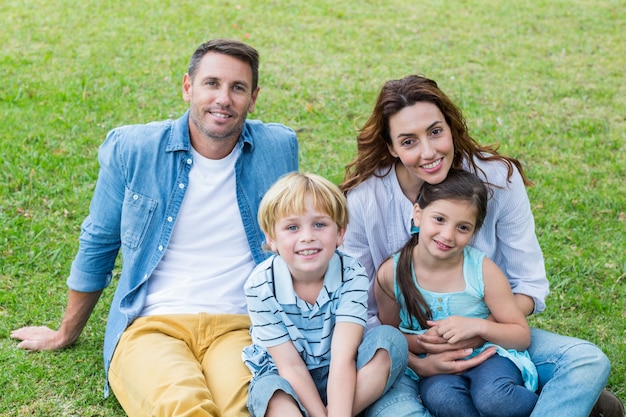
(79, 308)
(449, 362)
(39, 338)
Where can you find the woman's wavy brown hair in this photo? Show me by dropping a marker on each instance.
(374, 138)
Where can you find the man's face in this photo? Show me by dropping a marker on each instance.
(220, 95)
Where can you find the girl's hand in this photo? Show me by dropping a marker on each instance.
(433, 343)
(455, 329)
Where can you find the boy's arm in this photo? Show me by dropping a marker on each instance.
(291, 367)
(342, 376)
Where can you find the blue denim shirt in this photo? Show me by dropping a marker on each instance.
(144, 172)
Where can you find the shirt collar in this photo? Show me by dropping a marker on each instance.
(283, 284)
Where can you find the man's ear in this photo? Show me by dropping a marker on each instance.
(187, 88)
(253, 98)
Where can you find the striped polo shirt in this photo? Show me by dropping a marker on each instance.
(279, 315)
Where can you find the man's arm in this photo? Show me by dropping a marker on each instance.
(77, 312)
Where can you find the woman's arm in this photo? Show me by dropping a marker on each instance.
(508, 237)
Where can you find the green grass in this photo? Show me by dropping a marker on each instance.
(543, 78)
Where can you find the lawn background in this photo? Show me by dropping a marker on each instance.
(545, 79)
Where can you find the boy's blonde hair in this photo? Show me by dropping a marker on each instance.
(288, 197)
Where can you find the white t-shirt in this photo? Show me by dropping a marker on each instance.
(208, 258)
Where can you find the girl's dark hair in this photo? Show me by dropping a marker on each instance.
(459, 185)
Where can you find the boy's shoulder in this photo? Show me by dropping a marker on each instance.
(260, 274)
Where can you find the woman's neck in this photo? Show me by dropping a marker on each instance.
(409, 183)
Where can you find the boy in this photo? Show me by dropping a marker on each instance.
(308, 307)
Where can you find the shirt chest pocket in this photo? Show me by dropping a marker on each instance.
(137, 212)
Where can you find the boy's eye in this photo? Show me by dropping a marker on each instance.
(319, 225)
(292, 227)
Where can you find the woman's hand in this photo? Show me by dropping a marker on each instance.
(448, 362)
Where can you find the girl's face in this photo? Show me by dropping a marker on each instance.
(422, 140)
(306, 242)
(446, 227)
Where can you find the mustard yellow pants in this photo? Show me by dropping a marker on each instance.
(182, 365)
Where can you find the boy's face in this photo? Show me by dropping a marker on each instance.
(306, 242)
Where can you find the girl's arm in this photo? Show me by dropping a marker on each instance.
(342, 376)
(388, 308)
(509, 330)
(291, 367)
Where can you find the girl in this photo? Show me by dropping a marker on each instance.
(415, 134)
(437, 281)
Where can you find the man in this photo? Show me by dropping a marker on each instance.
(180, 200)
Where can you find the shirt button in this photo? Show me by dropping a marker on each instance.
(169, 219)
(439, 308)
(189, 161)
(135, 197)
(160, 248)
(181, 185)
(440, 299)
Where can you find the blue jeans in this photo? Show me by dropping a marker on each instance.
(263, 386)
(487, 390)
(572, 374)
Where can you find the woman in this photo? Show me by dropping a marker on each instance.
(415, 134)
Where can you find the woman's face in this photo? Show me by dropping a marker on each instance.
(422, 140)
